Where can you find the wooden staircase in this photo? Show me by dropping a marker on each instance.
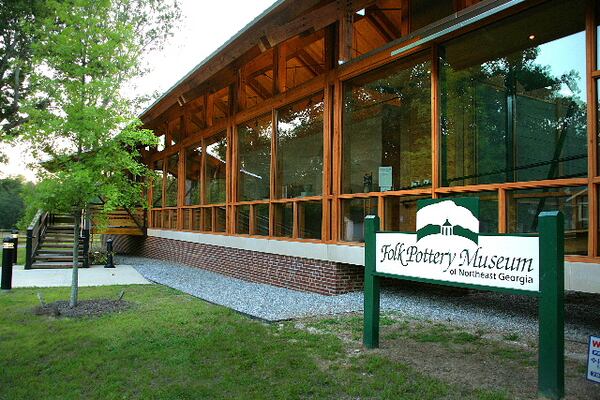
(55, 249)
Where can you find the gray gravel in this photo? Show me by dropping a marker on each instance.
(500, 312)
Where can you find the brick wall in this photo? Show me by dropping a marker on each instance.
(304, 274)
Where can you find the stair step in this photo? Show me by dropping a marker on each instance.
(55, 250)
(51, 265)
(54, 257)
(56, 245)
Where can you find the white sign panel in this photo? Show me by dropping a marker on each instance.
(385, 178)
(509, 262)
(593, 371)
(447, 247)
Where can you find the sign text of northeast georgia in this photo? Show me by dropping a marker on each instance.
(447, 246)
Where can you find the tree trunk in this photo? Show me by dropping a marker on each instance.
(75, 272)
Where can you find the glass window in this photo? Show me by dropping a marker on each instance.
(354, 212)
(300, 148)
(526, 205)
(243, 220)
(488, 209)
(310, 219)
(207, 219)
(284, 219)
(254, 152)
(387, 129)
(221, 219)
(216, 167)
(196, 217)
(187, 220)
(193, 157)
(157, 184)
(513, 99)
(172, 165)
(401, 213)
(261, 219)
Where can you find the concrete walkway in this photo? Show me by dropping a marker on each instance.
(93, 276)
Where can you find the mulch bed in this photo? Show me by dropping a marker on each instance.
(84, 308)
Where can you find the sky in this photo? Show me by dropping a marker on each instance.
(205, 25)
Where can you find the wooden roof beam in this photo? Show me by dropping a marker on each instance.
(309, 62)
(258, 88)
(383, 24)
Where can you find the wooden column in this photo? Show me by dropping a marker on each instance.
(592, 131)
(345, 32)
(435, 123)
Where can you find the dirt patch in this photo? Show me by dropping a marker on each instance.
(84, 308)
(471, 358)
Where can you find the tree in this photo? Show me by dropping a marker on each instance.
(11, 203)
(86, 52)
(18, 19)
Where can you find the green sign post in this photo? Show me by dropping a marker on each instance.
(550, 292)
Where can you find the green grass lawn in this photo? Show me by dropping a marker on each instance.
(174, 346)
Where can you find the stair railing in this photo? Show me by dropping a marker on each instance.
(35, 232)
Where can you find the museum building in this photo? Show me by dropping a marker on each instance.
(320, 112)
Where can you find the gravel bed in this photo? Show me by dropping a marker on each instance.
(500, 312)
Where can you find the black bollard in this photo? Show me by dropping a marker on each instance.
(8, 247)
(15, 236)
(109, 254)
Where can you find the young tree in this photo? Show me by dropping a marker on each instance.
(86, 52)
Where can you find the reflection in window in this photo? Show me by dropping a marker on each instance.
(354, 212)
(261, 220)
(401, 212)
(284, 219)
(512, 110)
(172, 165)
(193, 157)
(309, 219)
(254, 152)
(387, 129)
(300, 148)
(221, 219)
(525, 206)
(216, 155)
(243, 220)
(157, 185)
(207, 219)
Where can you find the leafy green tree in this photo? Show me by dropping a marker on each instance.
(86, 51)
(12, 207)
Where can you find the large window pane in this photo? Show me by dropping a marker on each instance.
(261, 220)
(254, 152)
(401, 213)
(310, 219)
(243, 220)
(354, 212)
(513, 99)
(526, 205)
(221, 219)
(172, 165)
(216, 155)
(387, 129)
(300, 148)
(284, 219)
(193, 157)
(157, 184)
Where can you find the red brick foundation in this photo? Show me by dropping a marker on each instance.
(324, 277)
